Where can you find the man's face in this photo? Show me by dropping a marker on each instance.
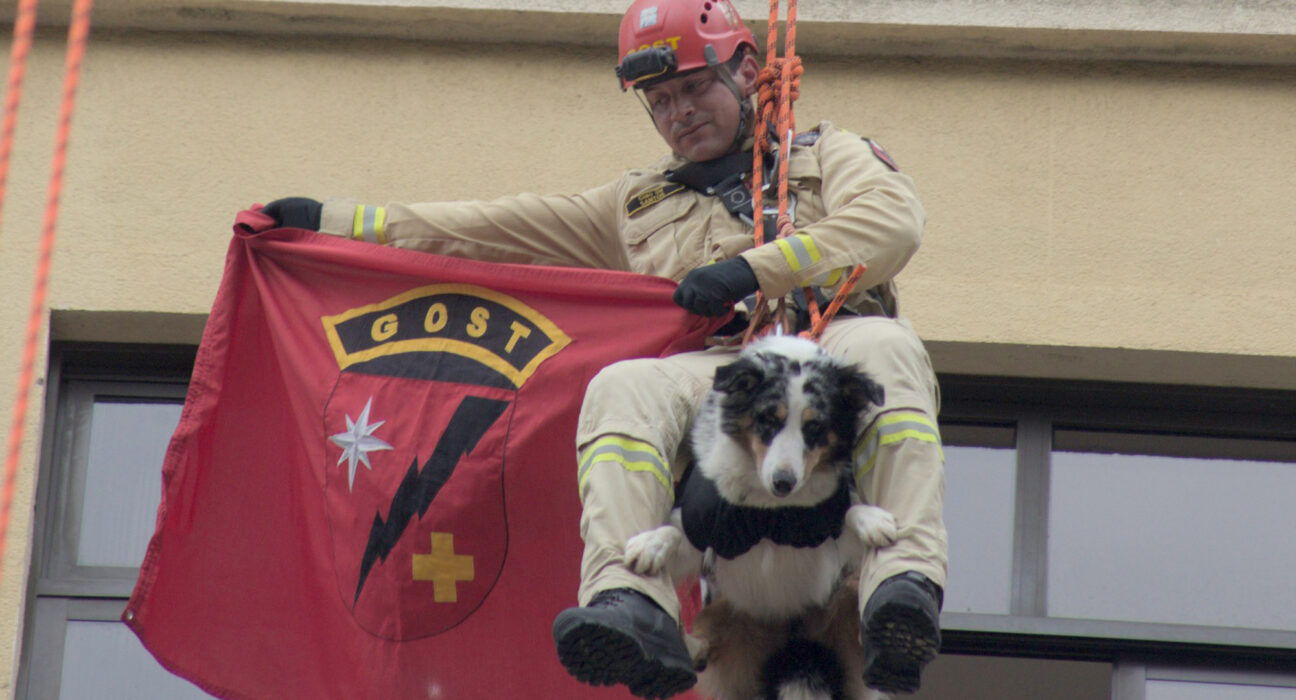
(697, 114)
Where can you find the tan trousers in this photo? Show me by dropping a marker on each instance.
(632, 447)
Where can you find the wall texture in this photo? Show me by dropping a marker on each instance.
(1109, 184)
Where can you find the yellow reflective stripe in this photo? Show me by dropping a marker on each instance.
(896, 423)
(788, 254)
(633, 455)
(613, 455)
(380, 225)
(830, 278)
(890, 428)
(799, 251)
(810, 246)
(357, 223)
(367, 224)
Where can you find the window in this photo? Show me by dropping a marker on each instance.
(111, 414)
(1138, 524)
(979, 508)
(1136, 535)
(1098, 536)
(1156, 682)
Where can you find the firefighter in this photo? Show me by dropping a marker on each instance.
(689, 217)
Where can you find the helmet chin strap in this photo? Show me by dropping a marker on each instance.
(746, 112)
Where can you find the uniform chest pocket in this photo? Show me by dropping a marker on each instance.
(804, 179)
(657, 237)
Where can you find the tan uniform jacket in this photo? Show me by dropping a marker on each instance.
(850, 208)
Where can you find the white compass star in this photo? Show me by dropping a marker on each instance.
(358, 441)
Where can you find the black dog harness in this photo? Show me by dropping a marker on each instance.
(730, 530)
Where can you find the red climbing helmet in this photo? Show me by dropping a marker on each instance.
(662, 38)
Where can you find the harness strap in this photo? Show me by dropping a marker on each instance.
(710, 522)
(724, 177)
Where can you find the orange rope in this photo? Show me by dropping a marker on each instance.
(778, 86)
(818, 325)
(24, 30)
(78, 33)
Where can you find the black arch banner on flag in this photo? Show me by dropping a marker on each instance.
(372, 489)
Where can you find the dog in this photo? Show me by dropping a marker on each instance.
(768, 519)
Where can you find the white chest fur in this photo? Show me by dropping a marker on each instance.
(775, 582)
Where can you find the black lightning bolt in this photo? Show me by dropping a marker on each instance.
(471, 419)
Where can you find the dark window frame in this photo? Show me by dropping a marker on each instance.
(58, 590)
(1028, 409)
(1035, 409)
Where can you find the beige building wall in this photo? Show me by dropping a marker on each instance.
(1109, 184)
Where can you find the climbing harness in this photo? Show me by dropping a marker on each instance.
(778, 86)
(724, 178)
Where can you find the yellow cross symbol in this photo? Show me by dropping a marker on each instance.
(443, 568)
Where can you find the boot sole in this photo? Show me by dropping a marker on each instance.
(601, 655)
(903, 640)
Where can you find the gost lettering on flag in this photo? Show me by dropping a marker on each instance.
(427, 379)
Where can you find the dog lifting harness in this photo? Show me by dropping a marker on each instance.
(710, 522)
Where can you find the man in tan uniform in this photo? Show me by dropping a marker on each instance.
(689, 217)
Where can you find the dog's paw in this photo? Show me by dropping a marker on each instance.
(875, 526)
(647, 553)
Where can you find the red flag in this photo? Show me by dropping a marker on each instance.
(372, 489)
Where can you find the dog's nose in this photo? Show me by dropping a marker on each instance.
(784, 482)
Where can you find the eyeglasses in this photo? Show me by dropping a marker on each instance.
(660, 100)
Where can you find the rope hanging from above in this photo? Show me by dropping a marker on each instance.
(78, 36)
(778, 86)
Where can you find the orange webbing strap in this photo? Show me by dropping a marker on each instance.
(818, 325)
(78, 32)
(779, 84)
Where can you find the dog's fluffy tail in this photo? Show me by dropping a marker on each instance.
(804, 670)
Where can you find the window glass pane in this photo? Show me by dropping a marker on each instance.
(105, 660)
(123, 481)
(979, 497)
(1184, 690)
(1172, 539)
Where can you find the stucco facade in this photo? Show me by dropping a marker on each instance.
(1109, 184)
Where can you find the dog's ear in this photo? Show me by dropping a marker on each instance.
(859, 389)
(737, 378)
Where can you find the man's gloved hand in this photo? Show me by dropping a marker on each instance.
(711, 290)
(296, 212)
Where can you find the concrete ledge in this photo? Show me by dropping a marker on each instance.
(127, 327)
(949, 357)
(1240, 32)
(1114, 365)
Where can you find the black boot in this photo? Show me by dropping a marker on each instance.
(623, 637)
(900, 632)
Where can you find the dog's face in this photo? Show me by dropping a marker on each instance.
(794, 408)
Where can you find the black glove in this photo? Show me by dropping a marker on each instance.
(297, 212)
(711, 290)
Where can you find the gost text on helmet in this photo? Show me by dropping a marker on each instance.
(662, 39)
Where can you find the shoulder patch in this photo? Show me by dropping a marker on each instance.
(806, 138)
(881, 154)
(651, 196)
